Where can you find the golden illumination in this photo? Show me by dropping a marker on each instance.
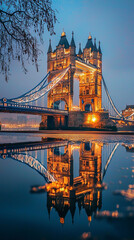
(90, 37)
(73, 147)
(75, 108)
(66, 51)
(84, 66)
(94, 119)
(89, 218)
(63, 34)
(62, 220)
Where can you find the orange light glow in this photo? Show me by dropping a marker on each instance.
(62, 220)
(94, 119)
(75, 108)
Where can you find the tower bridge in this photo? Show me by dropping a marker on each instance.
(86, 66)
(63, 66)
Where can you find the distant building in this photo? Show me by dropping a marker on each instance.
(128, 111)
(21, 119)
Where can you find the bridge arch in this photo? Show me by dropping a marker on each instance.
(60, 151)
(60, 104)
(88, 107)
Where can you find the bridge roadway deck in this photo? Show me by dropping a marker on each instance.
(34, 110)
(30, 146)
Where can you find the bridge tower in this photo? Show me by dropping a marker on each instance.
(57, 60)
(90, 92)
(60, 165)
(90, 162)
(90, 170)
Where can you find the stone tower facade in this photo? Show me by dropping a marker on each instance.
(57, 60)
(90, 92)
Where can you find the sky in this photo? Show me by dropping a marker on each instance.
(111, 22)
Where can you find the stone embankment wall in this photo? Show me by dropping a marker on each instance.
(89, 120)
(77, 120)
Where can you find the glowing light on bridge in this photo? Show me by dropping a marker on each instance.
(94, 119)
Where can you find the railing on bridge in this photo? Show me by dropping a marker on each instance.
(29, 108)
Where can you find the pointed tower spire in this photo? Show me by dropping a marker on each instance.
(72, 44)
(95, 48)
(49, 206)
(50, 47)
(89, 43)
(63, 33)
(99, 49)
(80, 51)
(90, 37)
(63, 40)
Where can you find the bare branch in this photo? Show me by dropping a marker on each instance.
(21, 22)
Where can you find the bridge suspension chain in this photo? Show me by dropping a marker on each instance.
(41, 89)
(35, 89)
(109, 159)
(110, 99)
(33, 163)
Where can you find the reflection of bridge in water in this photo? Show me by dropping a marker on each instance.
(63, 189)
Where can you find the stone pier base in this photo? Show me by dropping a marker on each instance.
(83, 119)
(54, 122)
(78, 120)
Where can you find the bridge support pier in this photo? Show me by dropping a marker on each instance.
(88, 120)
(53, 122)
(78, 120)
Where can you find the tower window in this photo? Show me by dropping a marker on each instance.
(87, 79)
(87, 164)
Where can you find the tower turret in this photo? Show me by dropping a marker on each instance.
(88, 50)
(99, 48)
(80, 53)
(50, 47)
(99, 57)
(95, 51)
(49, 55)
(95, 48)
(63, 41)
(72, 46)
(89, 44)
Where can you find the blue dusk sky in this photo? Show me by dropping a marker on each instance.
(111, 22)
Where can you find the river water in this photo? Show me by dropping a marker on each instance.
(66, 186)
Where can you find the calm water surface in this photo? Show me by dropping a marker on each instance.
(66, 186)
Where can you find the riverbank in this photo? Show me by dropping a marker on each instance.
(70, 132)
